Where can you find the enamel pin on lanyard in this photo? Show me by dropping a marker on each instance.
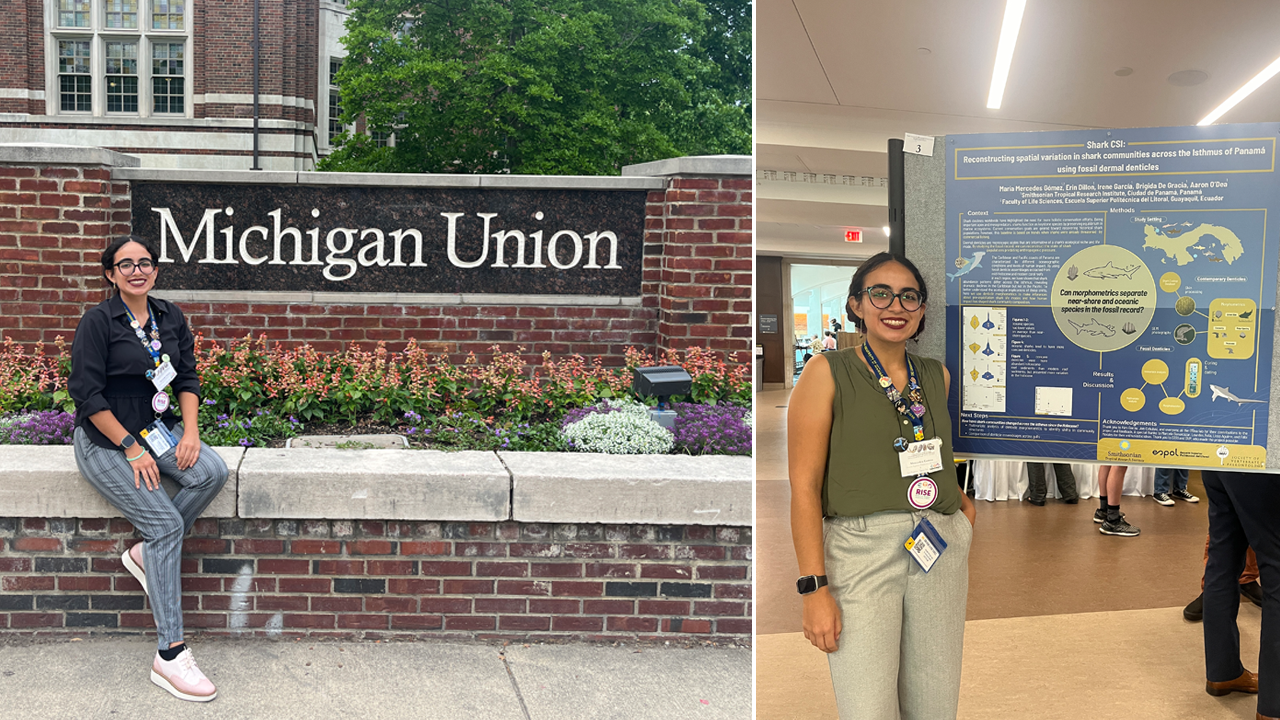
(915, 459)
(156, 435)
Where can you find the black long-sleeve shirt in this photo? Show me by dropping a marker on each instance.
(109, 366)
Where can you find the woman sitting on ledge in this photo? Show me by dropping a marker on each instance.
(130, 352)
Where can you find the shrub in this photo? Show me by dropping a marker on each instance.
(624, 428)
(43, 427)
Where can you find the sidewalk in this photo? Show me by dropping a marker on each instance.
(260, 679)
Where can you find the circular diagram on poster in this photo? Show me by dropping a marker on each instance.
(1103, 298)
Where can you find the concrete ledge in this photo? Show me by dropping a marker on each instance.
(632, 181)
(696, 165)
(331, 484)
(372, 298)
(373, 484)
(625, 489)
(42, 481)
(53, 154)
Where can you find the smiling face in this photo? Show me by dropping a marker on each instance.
(893, 324)
(133, 283)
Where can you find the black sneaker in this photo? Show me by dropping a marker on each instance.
(1252, 591)
(1119, 527)
(1194, 611)
(1163, 499)
(1184, 496)
(1100, 515)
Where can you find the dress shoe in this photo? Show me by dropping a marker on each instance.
(1072, 501)
(1194, 611)
(1265, 717)
(1252, 591)
(1246, 683)
(1037, 503)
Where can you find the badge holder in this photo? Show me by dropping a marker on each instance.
(925, 545)
(158, 437)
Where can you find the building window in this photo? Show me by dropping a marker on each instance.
(74, 83)
(166, 77)
(73, 13)
(122, 14)
(167, 15)
(382, 139)
(335, 100)
(122, 77)
(103, 48)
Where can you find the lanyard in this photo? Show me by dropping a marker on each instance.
(152, 346)
(913, 412)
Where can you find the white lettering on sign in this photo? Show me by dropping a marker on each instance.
(513, 248)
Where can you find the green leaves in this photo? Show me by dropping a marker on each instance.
(555, 87)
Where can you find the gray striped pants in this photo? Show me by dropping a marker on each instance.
(162, 521)
(902, 631)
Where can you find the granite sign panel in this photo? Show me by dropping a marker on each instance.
(393, 239)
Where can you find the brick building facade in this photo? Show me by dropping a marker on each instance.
(171, 81)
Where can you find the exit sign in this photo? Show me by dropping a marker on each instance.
(853, 236)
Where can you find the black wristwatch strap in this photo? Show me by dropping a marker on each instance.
(809, 584)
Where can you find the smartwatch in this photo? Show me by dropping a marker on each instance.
(127, 443)
(809, 584)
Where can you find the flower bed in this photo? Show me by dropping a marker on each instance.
(256, 395)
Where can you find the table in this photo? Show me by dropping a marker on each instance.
(1007, 480)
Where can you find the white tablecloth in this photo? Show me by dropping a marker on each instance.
(1007, 480)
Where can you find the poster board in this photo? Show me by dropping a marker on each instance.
(1110, 294)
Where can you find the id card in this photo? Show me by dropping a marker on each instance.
(921, 458)
(164, 374)
(158, 437)
(925, 544)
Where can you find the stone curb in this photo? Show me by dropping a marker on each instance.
(42, 481)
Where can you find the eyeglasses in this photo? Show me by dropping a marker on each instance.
(881, 297)
(127, 266)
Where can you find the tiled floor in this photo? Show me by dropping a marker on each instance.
(1063, 622)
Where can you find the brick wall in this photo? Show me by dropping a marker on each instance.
(704, 293)
(376, 579)
(54, 224)
(55, 221)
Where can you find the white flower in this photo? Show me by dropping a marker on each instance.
(626, 431)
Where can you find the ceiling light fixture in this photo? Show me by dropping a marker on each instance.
(1004, 52)
(1242, 93)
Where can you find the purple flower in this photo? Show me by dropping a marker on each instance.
(45, 427)
(711, 429)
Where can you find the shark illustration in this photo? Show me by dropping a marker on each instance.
(1187, 224)
(969, 264)
(1093, 327)
(1245, 315)
(1221, 392)
(1109, 271)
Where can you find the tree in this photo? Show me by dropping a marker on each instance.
(543, 86)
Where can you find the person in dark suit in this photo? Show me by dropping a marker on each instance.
(1243, 508)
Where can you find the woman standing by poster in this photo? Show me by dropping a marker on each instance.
(130, 353)
(883, 552)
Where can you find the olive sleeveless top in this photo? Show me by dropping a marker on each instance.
(863, 475)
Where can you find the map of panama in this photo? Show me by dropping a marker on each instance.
(1179, 245)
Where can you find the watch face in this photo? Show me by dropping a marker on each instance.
(807, 584)
(127, 442)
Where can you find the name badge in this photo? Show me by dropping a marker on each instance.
(158, 437)
(164, 374)
(925, 545)
(921, 458)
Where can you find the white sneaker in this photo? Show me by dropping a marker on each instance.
(134, 568)
(182, 678)
(1163, 499)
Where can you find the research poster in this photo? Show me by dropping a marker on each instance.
(1111, 293)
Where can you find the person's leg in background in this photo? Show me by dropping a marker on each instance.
(1256, 501)
(1224, 671)
(1067, 491)
(1036, 488)
(1112, 478)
